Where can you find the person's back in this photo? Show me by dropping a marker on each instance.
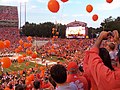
(67, 86)
(59, 75)
(105, 76)
(74, 76)
(79, 81)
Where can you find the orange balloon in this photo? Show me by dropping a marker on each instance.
(34, 55)
(56, 37)
(89, 8)
(29, 52)
(27, 82)
(52, 50)
(25, 45)
(21, 72)
(53, 6)
(53, 47)
(2, 45)
(53, 29)
(6, 62)
(109, 1)
(21, 42)
(52, 32)
(28, 72)
(32, 76)
(28, 78)
(17, 50)
(36, 65)
(20, 48)
(42, 74)
(29, 44)
(29, 38)
(64, 0)
(24, 55)
(20, 59)
(7, 43)
(27, 63)
(57, 33)
(95, 17)
(42, 68)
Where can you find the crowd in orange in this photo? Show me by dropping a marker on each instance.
(67, 49)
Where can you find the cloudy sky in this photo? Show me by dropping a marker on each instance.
(37, 11)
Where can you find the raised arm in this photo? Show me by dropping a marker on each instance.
(94, 63)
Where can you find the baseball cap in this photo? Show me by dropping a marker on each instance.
(72, 65)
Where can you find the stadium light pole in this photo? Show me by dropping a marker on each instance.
(20, 15)
(25, 12)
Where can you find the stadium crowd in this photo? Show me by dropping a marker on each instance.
(8, 13)
(90, 64)
(82, 64)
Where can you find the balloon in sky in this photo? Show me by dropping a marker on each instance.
(95, 17)
(53, 6)
(29, 38)
(89, 8)
(64, 0)
(109, 1)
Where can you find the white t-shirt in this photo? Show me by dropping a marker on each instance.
(69, 86)
(113, 54)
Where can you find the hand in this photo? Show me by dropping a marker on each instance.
(116, 36)
(103, 35)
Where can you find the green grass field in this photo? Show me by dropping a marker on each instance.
(17, 66)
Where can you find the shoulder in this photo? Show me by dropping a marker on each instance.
(73, 86)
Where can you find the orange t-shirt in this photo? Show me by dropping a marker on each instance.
(104, 78)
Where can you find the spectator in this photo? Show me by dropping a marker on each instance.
(59, 74)
(104, 54)
(104, 77)
(36, 85)
(74, 76)
(19, 87)
(113, 53)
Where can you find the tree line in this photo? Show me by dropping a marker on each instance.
(109, 24)
(45, 29)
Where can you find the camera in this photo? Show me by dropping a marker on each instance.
(111, 34)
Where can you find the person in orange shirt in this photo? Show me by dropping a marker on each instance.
(104, 77)
(74, 76)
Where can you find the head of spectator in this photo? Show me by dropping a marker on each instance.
(111, 46)
(10, 86)
(72, 67)
(19, 87)
(36, 84)
(104, 54)
(58, 73)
